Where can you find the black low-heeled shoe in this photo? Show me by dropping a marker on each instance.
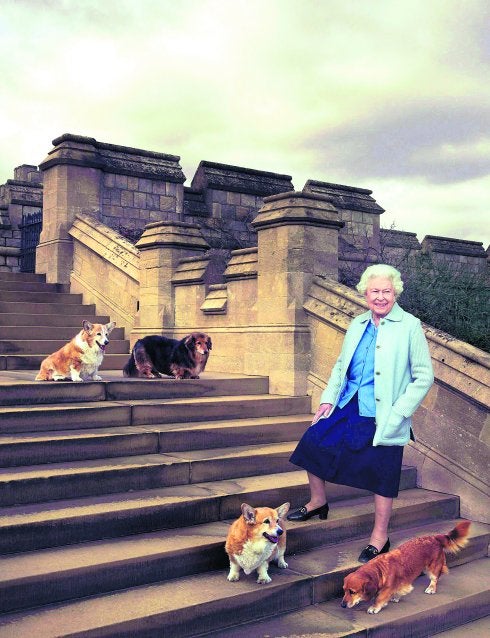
(303, 514)
(371, 552)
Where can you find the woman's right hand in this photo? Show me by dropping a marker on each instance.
(323, 410)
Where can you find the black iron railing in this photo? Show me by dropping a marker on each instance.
(30, 227)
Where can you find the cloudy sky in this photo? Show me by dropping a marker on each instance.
(391, 95)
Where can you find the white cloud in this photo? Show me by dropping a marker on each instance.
(380, 94)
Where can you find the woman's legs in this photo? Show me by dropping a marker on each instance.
(318, 494)
(382, 513)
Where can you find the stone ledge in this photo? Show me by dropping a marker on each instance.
(108, 243)
(87, 152)
(345, 197)
(450, 246)
(399, 239)
(243, 264)
(216, 301)
(236, 179)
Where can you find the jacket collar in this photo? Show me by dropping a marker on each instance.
(395, 314)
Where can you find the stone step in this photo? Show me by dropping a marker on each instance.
(200, 603)
(474, 629)
(18, 388)
(463, 595)
(36, 307)
(33, 361)
(207, 408)
(41, 525)
(54, 575)
(46, 346)
(90, 415)
(10, 318)
(21, 334)
(56, 481)
(65, 298)
(61, 417)
(31, 286)
(70, 445)
(21, 276)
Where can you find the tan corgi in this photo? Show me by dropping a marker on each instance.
(80, 358)
(255, 539)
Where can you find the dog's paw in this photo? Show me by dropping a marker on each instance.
(96, 377)
(263, 580)
(282, 563)
(430, 590)
(79, 380)
(233, 577)
(373, 609)
(395, 599)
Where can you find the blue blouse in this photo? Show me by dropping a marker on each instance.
(360, 375)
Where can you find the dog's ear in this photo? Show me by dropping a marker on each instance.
(248, 514)
(110, 326)
(369, 587)
(87, 326)
(283, 510)
(189, 341)
(209, 343)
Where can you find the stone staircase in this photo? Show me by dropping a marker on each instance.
(116, 497)
(37, 318)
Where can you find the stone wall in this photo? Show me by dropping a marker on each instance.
(22, 195)
(359, 240)
(452, 426)
(223, 200)
(467, 255)
(106, 270)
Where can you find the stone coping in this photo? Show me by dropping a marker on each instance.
(237, 179)
(452, 246)
(81, 139)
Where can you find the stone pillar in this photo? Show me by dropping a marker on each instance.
(125, 187)
(297, 239)
(71, 178)
(162, 246)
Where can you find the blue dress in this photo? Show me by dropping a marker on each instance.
(339, 448)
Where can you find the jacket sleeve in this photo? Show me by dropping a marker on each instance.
(329, 395)
(421, 373)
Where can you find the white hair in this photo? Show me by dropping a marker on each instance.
(381, 270)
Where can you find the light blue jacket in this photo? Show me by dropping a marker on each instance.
(402, 372)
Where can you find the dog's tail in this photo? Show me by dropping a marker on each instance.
(130, 369)
(456, 539)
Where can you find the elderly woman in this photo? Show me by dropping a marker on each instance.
(380, 378)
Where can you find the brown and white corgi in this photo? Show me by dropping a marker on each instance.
(81, 357)
(255, 539)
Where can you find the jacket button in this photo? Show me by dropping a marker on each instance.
(378, 372)
(382, 323)
(378, 347)
(377, 399)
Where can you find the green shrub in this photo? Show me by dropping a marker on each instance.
(448, 298)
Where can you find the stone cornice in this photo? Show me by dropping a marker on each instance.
(87, 152)
(451, 246)
(225, 177)
(172, 235)
(346, 197)
(297, 208)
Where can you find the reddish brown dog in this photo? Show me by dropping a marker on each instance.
(389, 576)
